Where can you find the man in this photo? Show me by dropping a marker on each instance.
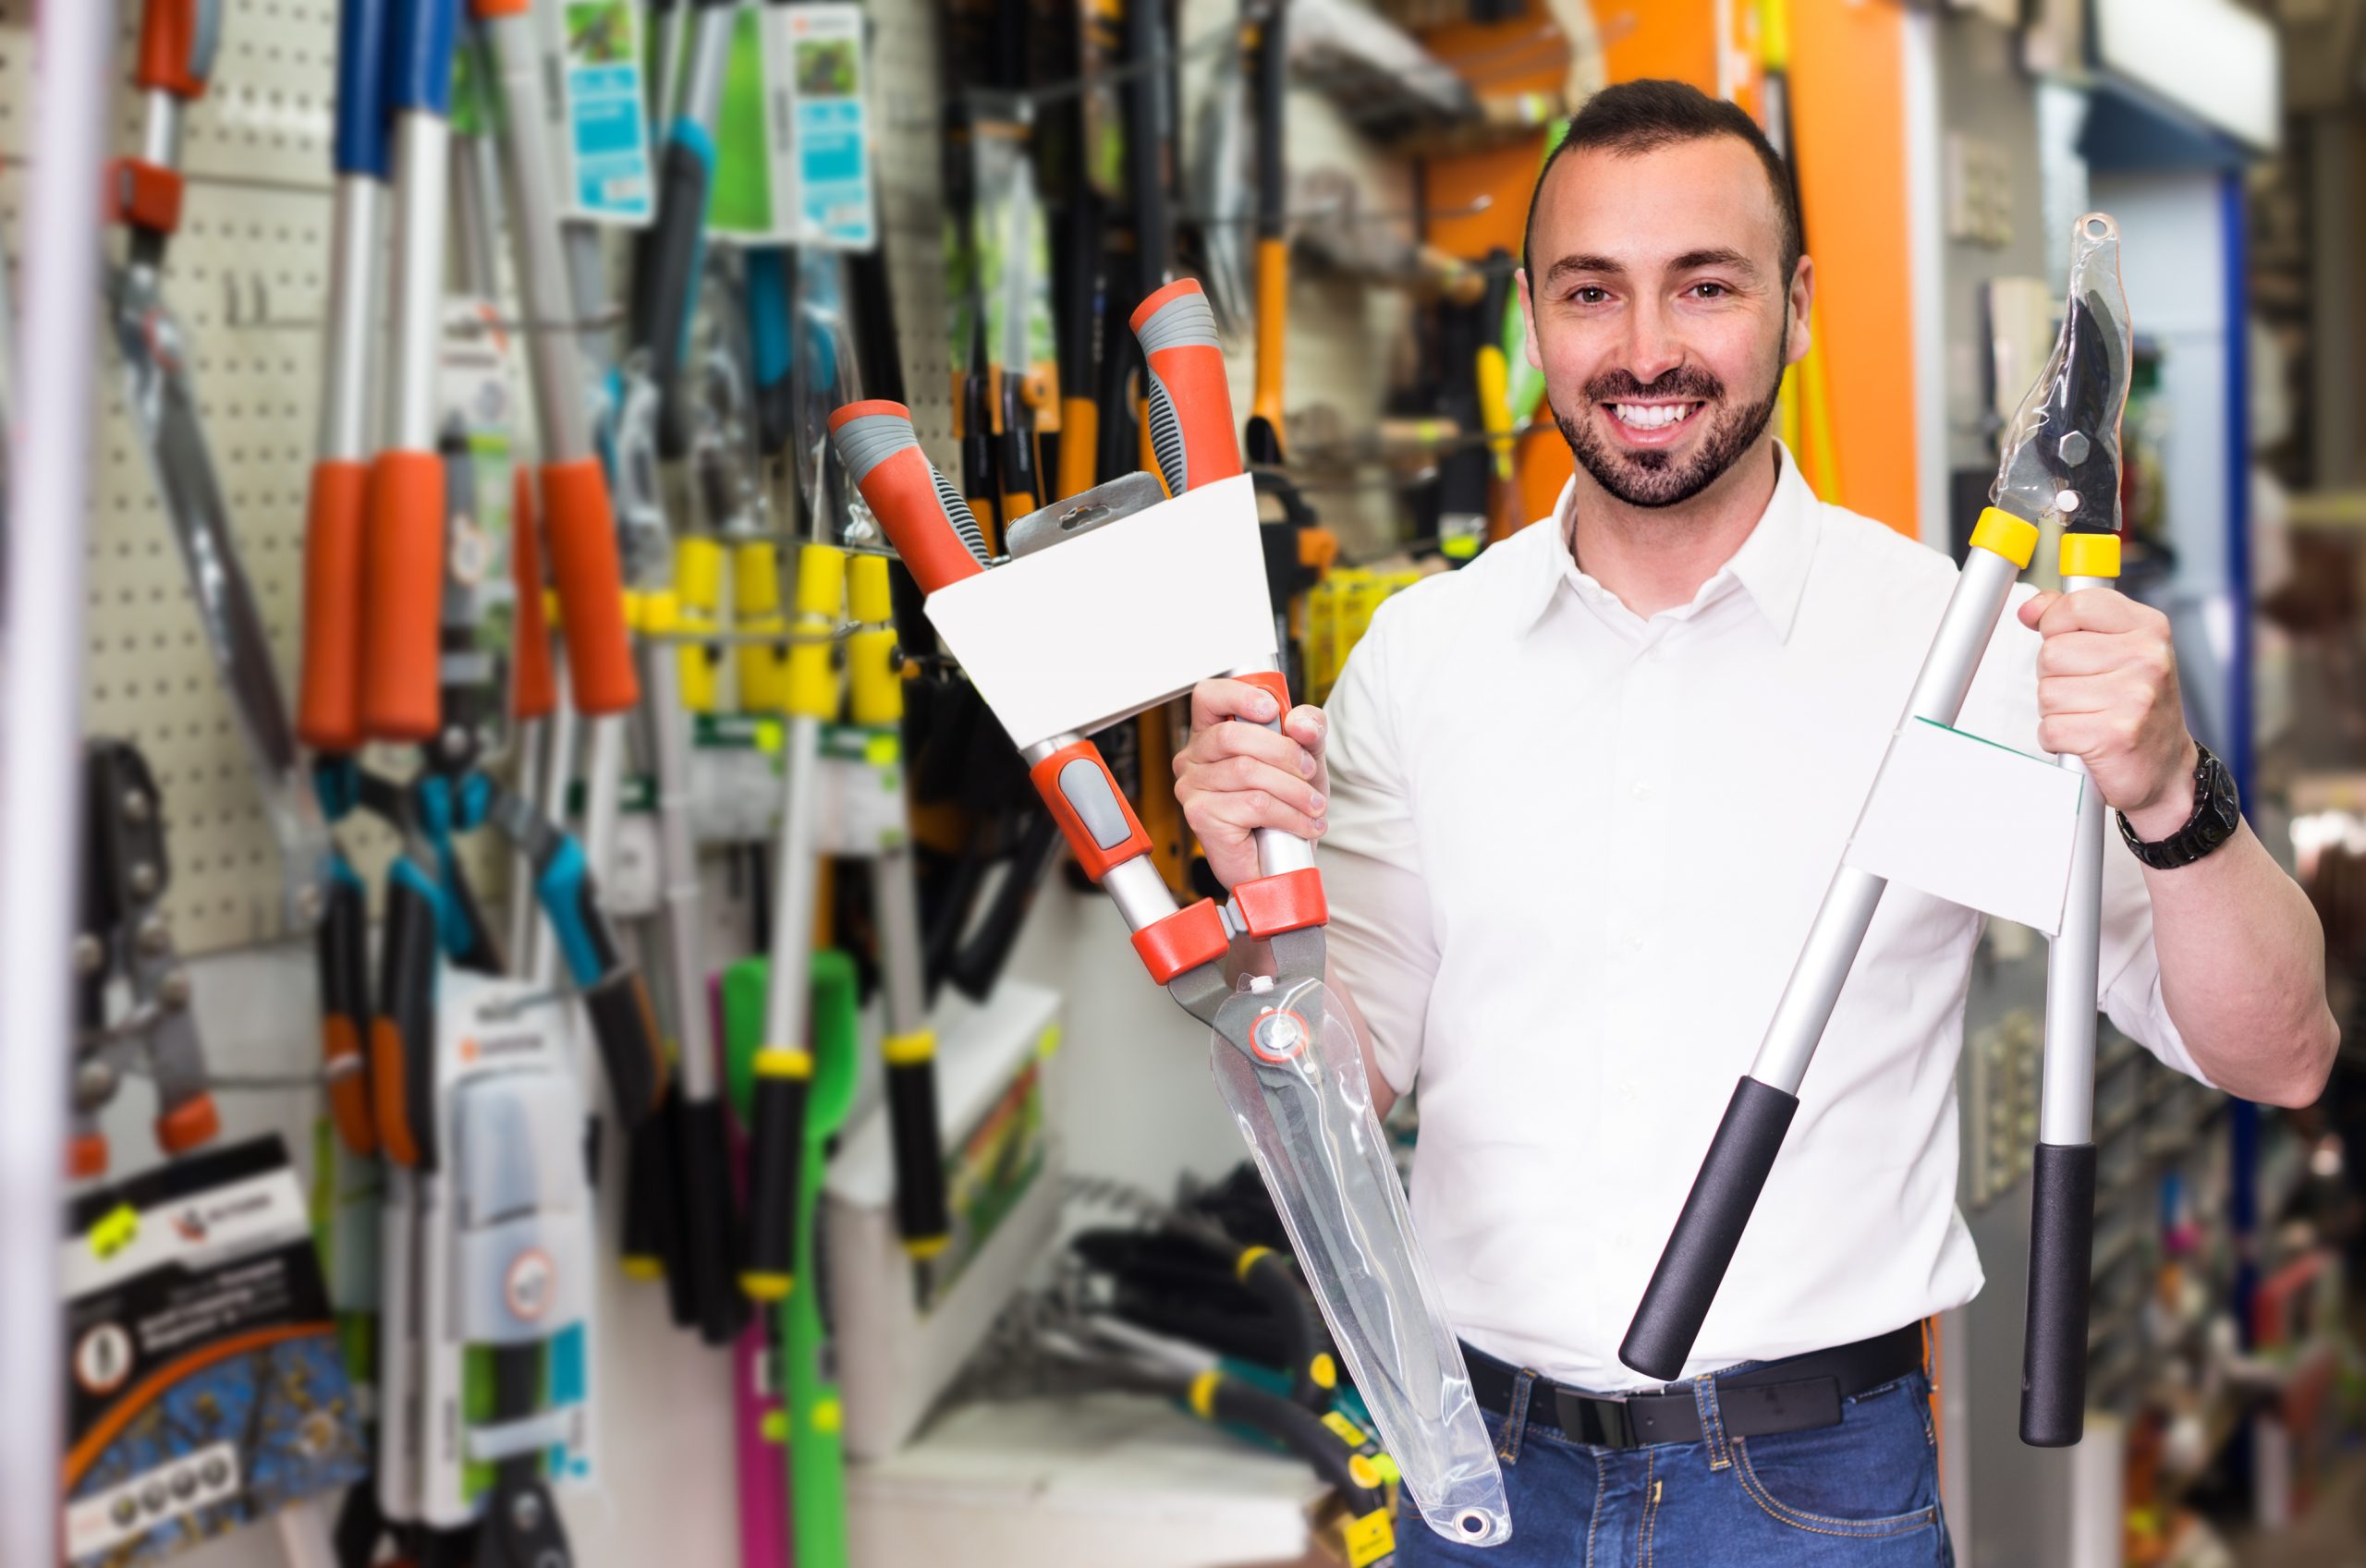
(1578, 803)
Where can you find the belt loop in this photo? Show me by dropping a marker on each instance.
(1516, 1418)
(1713, 1424)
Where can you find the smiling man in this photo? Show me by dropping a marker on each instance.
(1578, 803)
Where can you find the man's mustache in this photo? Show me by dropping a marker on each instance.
(1685, 380)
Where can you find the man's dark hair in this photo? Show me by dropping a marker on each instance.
(1643, 116)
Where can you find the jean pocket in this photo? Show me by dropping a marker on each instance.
(1875, 1474)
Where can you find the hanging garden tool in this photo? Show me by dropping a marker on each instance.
(124, 936)
(1284, 1058)
(2060, 458)
(403, 531)
(328, 704)
(178, 40)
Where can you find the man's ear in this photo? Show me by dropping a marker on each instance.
(1527, 320)
(1802, 297)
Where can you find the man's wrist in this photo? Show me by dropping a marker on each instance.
(2169, 810)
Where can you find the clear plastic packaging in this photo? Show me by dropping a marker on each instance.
(2061, 452)
(1295, 1086)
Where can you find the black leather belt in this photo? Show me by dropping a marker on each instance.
(1795, 1394)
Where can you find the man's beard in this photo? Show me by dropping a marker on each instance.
(1650, 478)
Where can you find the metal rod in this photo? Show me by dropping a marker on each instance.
(40, 692)
(348, 419)
(422, 196)
(2067, 1101)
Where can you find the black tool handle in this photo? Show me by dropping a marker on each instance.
(775, 1172)
(666, 270)
(1298, 1429)
(342, 955)
(1693, 1264)
(979, 961)
(520, 1528)
(402, 1034)
(709, 1221)
(1273, 1283)
(2062, 1247)
(626, 1032)
(649, 1252)
(921, 1218)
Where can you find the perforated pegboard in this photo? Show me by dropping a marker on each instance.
(246, 277)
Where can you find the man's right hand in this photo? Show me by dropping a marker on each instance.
(1237, 776)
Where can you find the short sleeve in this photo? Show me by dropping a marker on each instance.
(1383, 945)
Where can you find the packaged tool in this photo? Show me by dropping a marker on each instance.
(598, 155)
(1284, 1057)
(205, 1390)
(793, 142)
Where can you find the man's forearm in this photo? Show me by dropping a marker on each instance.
(2242, 972)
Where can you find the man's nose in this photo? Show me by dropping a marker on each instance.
(1653, 347)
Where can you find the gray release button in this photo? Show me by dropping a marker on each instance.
(1086, 789)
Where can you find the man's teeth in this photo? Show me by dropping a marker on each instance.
(1651, 415)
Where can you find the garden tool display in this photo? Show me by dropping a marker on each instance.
(403, 531)
(1286, 1059)
(2060, 458)
(178, 40)
(328, 703)
(670, 255)
(124, 936)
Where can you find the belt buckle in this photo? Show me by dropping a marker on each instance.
(1591, 1418)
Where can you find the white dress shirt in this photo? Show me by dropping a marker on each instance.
(1572, 855)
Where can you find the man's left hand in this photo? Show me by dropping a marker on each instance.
(2108, 694)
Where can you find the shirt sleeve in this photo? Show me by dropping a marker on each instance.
(1383, 946)
(2003, 707)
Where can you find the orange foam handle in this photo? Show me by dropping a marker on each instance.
(86, 1157)
(1286, 901)
(1273, 313)
(328, 695)
(194, 1122)
(581, 528)
(167, 33)
(402, 603)
(348, 1084)
(143, 195)
(1184, 939)
(387, 1093)
(533, 685)
(1080, 443)
(1090, 854)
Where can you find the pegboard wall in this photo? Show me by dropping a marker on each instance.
(247, 276)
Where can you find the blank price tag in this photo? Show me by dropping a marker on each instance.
(1973, 822)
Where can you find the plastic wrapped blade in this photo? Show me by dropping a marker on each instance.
(2064, 440)
(1286, 1059)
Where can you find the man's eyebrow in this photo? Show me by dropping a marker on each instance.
(1583, 263)
(1734, 260)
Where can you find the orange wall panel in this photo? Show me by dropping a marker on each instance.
(1848, 116)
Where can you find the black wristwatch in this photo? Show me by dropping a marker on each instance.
(2217, 813)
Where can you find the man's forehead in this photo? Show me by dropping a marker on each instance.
(1650, 209)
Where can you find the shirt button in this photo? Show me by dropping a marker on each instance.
(1641, 791)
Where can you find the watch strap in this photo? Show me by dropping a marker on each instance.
(2217, 811)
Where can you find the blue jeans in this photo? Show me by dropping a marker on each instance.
(1864, 1493)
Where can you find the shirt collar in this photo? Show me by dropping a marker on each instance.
(1772, 563)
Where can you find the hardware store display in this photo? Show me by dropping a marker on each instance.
(802, 472)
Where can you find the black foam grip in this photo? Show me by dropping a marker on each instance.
(2062, 1246)
(709, 1220)
(342, 945)
(1275, 1284)
(649, 1204)
(666, 267)
(776, 1176)
(1693, 1263)
(626, 1034)
(920, 1215)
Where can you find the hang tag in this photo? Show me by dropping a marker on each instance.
(591, 55)
(794, 139)
(1973, 822)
